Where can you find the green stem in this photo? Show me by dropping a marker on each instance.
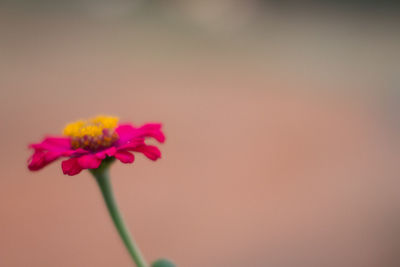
(103, 180)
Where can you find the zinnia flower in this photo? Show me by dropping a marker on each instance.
(94, 144)
(87, 143)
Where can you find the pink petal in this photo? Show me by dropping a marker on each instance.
(75, 165)
(132, 144)
(49, 150)
(40, 159)
(76, 152)
(89, 161)
(127, 132)
(152, 130)
(71, 166)
(107, 152)
(58, 144)
(125, 156)
(36, 161)
(152, 152)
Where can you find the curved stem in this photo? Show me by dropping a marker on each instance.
(103, 180)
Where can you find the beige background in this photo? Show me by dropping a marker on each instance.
(282, 138)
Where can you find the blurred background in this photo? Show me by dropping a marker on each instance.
(282, 123)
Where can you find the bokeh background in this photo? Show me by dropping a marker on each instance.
(282, 123)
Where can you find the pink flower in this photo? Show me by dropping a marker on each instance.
(87, 143)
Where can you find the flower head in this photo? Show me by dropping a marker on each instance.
(86, 143)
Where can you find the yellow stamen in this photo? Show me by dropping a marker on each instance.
(92, 134)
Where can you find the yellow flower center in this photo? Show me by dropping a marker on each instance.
(92, 134)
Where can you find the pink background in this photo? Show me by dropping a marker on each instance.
(282, 141)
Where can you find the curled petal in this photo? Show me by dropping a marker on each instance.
(152, 130)
(40, 159)
(50, 149)
(124, 156)
(37, 161)
(128, 133)
(152, 152)
(71, 166)
(57, 144)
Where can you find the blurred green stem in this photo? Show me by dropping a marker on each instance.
(102, 177)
